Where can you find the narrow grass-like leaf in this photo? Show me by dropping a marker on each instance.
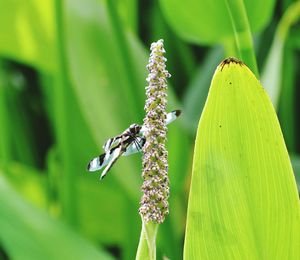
(288, 101)
(243, 200)
(129, 12)
(272, 73)
(242, 32)
(296, 167)
(279, 72)
(63, 112)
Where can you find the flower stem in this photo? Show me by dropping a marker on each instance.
(154, 205)
(242, 32)
(147, 244)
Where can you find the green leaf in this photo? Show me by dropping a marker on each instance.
(128, 10)
(196, 93)
(272, 73)
(28, 32)
(208, 22)
(280, 71)
(295, 158)
(181, 58)
(243, 200)
(99, 219)
(287, 102)
(29, 233)
(30, 182)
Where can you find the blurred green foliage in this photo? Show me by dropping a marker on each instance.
(72, 74)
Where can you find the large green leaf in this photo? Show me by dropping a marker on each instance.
(207, 21)
(29, 233)
(243, 200)
(28, 33)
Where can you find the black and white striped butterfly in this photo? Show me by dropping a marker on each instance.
(129, 142)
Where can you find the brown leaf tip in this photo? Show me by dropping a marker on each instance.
(229, 61)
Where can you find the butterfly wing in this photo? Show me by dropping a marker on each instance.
(172, 116)
(110, 157)
(114, 141)
(99, 162)
(120, 150)
(117, 152)
(136, 146)
(102, 160)
(117, 146)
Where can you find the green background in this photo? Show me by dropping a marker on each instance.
(72, 74)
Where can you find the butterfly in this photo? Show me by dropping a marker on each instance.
(129, 142)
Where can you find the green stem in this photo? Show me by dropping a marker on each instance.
(147, 245)
(230, 48)
(242, 32)
(62, 110)
(272, 73)
(287, 75)
(132, 14)
(287, 101)
(290, 17)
